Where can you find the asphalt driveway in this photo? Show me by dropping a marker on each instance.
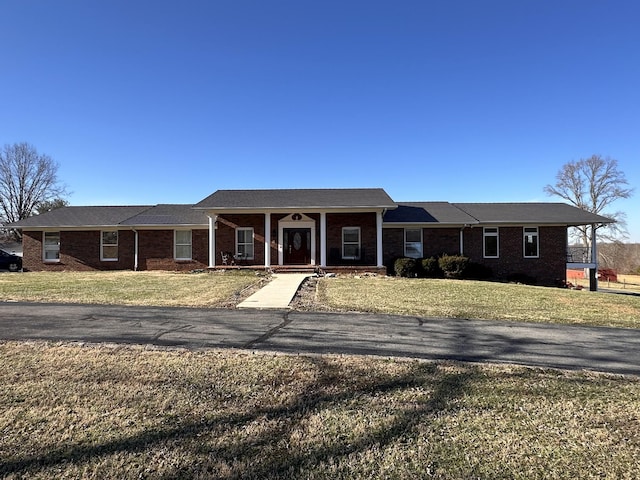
(568, 347)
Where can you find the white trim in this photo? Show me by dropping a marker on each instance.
(212, 240)
(359, 255)
(524, 242)
(379, 253)
(323, 239)
(252, 243)
(102, 245)
(485, 235)
(44, 247)
(175, 244)
(405, 242)
(267, 240)
(289, 222)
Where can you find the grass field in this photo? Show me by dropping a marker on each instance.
(478, 300)
(130, 288)
(418, 297)
(107, 413)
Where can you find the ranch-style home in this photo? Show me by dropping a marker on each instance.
(324, 229)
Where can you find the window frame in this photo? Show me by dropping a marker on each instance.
(536, 235)
(345, 243)
(45, 249)
(243, 255)
(177, 244)
(487, 233)
(104, 258)
(421, 247)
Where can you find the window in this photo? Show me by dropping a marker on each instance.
(351, 243)
(51, 247)
(182, 243)
(530, 242)
(491, 248)
(413, 242)
(244, 243)
(109, 246)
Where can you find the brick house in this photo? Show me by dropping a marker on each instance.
(328, 229)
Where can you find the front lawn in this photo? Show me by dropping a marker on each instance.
(224, 288)
(127, 412)
(478, 300)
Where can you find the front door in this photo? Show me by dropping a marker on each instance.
(297, 246)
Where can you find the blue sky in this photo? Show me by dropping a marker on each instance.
(145, 102)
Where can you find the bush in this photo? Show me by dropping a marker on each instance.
(453, 266)
(406, 267)
(430, 268)
(477, 271)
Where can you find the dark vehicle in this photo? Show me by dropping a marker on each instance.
(9, 261)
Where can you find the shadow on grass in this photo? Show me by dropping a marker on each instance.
(269, 454)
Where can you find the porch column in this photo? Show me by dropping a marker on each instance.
(212, 240)
(267, 240)
(593, 272)
(323, 239)
(379, 238)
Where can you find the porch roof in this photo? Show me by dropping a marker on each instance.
(289, 199)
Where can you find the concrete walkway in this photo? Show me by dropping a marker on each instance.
(278, 293)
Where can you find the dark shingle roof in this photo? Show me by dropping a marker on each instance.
(491, 213)
(132, 216)
(81, 217)
(168, 215)
(297, 198)
(428, 212)
(538, 213)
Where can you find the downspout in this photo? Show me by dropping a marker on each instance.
(593, 274)
(462, 239)
(135, 250)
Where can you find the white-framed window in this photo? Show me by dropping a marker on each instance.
(182, 244)
(413, 242)
(531, 242)
(51, 246)
(109, 245)
(491, 244)
(244, 243)
(351, 243)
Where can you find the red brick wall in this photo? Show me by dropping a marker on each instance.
(367, 223)
(80, 250)
(548, 269)
(225, 236)
(156, 251)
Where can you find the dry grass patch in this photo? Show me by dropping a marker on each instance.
(478, 300)
(80, 412)
(131, 288)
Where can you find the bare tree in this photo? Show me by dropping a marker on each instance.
(593, 184)
(48, 205)
(27, 179)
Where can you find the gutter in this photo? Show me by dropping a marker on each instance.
(135, 250)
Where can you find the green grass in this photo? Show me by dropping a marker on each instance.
(99, 412)
(478, 300)
(130, 288)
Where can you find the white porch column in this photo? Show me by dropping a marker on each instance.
(267, 240)
(379, 238)
(323, 239)
(212, 240)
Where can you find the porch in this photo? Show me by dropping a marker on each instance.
(337, 269)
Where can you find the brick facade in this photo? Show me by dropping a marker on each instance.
(80, 251)
(547, 269)
(227, 225)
